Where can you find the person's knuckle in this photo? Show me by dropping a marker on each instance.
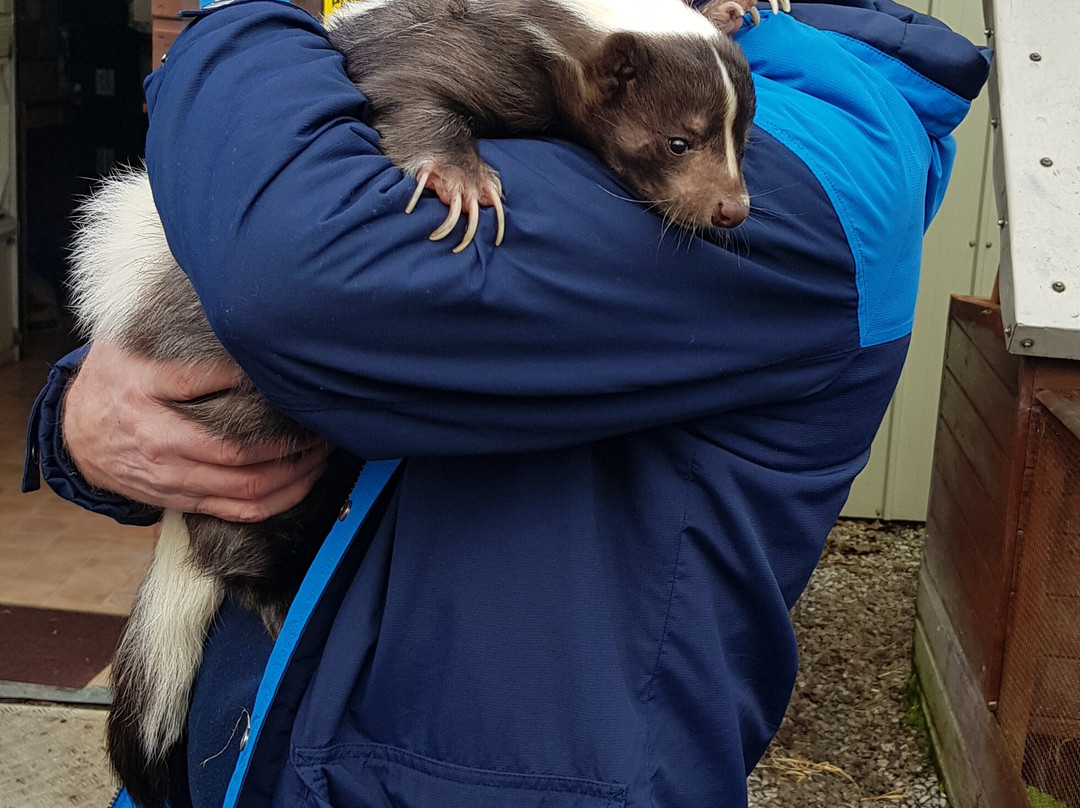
(200, 505)
(251, 512)
(256, 486)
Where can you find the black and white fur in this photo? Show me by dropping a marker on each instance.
(129, 291)
(631, 79)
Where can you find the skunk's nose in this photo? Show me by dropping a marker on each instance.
(728, 213)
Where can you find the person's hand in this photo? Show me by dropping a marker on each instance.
(123, 437)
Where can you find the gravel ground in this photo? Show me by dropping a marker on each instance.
(853, 735)
(850, 738)
(52, 756)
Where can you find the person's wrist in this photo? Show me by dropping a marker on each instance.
(67, 428)
(63, 452)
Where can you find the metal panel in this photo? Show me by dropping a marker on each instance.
(1037, 104)
(988, 240)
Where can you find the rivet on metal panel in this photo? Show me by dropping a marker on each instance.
(1008, 331)
(989, 244)
(994, 122)
(1058, 286)
(1002, 222)
(1035, 57)
(989, 32)
(1026, 343)
(971, 243)
(1046, 161)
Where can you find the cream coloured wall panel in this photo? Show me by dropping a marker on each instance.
(896, 482)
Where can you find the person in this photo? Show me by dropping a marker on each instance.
(624, 447)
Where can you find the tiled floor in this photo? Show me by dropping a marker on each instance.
(54, 554)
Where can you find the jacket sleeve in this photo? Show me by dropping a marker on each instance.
(592, 319)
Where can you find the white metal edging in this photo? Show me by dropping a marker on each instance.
(1035, 98)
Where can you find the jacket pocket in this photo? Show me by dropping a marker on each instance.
(369, 775)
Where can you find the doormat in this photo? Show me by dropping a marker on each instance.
(55, 648)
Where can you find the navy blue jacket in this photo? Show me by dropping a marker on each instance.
(624, 448)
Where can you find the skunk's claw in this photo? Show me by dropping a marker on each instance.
(461, 191)
(421, 184)
(489, 196)
(444, 230)
(500, 216)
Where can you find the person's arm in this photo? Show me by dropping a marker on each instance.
(591, 319)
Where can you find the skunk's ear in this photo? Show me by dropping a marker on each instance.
(623, 59)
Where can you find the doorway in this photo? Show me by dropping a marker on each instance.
(79, 68)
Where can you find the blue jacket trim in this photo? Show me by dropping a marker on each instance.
(122, 800)
(372, 481)
(894, 123)
(939, 109)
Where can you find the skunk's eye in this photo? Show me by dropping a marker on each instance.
(677, 145)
